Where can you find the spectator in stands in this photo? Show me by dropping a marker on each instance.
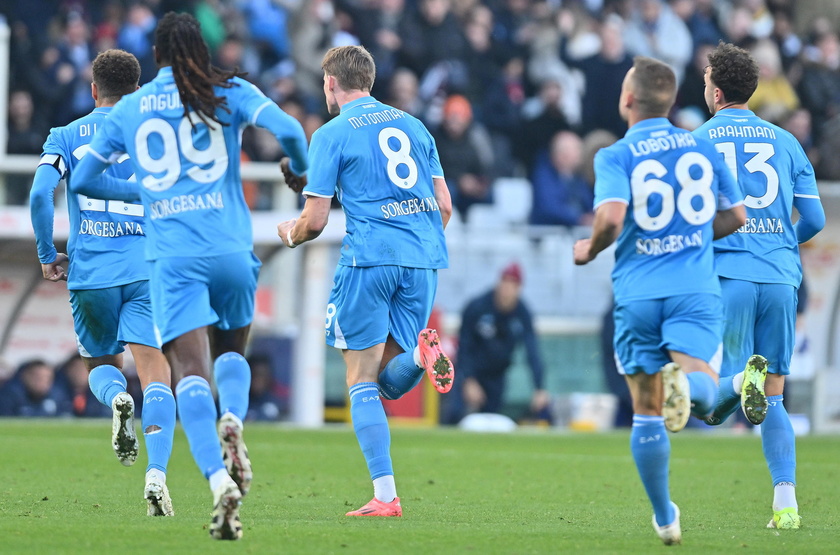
(25, 137)
(690, 93)
(543, 118)
(561, 194)
(819, 88)
(655, 31)
(701, 19)
(377, 24)
(137, 37)
(75, 49)
(32, 392)
(266, 21)
(430, 35)
(466, 155)
(268, 399)
(403, 93)
(798, 123)
(592, 143)
(72, 378)
(774, 98)
(493, 325)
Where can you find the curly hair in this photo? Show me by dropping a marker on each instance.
(179, 43)
(734, 71)
(116, 73)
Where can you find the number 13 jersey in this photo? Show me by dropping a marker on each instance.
(673, 184)
(380, 162)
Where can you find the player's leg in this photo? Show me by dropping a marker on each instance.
(775, 325)
(691, 332)
(639, 357)
(233, 288)
(137, 330)
(740, 300)
(96, 319)
(182, 312)
(357, 322)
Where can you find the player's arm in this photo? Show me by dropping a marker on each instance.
(88, 179)
(309, 225)
(444, 199)
(42, 212)
(729, 220)
(811, 218)
(289, 133)
(731, 213)
(609, 221)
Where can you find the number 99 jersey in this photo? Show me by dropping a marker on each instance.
(189, 171)
(673, 184)
(380, 162)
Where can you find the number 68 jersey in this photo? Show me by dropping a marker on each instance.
(188, 170)
(673, 184)
(380, 162)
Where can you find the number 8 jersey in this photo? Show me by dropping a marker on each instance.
(380, 162)
(189, 171)
(673, 184)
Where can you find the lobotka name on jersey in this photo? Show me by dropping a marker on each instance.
(661, 141)
(762, 225)
(668, 244)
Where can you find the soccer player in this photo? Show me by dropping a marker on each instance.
(383, 165)
(108, 281)
(759, 267)
(663, 195)
(182, 131)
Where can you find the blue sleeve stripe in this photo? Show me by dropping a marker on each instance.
(257, 112)
(807, 196)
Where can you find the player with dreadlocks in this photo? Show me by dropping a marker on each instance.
(182, 131)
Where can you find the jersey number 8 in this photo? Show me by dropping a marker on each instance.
(398, 157)
(643, 187)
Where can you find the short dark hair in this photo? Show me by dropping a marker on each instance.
(352, 66)
(116, 73)
(654, 86)
(734, 71)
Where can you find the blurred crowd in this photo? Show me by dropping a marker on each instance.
(509, 88)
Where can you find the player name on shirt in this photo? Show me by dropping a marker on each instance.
(669, 243)
(110, 229)
(743, 131)
(408, 207)
(762, 225)
(186, 203)
(160, 102)
(374, 118)
(661, 141)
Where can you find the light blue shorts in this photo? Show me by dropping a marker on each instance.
(189, 293)
(369, 304)
(646, 330)
(106, 319)
(759, 318)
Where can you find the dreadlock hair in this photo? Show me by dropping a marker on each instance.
(116, 73)
(179, 43)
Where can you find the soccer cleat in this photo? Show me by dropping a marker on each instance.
(375, 507)
(225, 524)
(437, 365)
(786, 519)
(753, 399)
(123, 435)
(677, 405)
(157, 496)
(234, 452)
(670, 534)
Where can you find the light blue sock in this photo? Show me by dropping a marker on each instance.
(106, 382)
(726, 403)
(651, 450)
(371, 426)
(703, 393)
(158, 410)
(197, 411)
(399, 376)
(779, 442)
(233, 383)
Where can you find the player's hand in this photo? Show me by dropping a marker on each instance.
(295, 182)
(54, 271)
(474, 395)
(283, 229)
(540, 400)
(581, 251)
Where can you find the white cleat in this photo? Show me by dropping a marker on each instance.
(670, 534)
(157, 496)
(123, 435)
(225, 524)
(234, 452)
(676, 407)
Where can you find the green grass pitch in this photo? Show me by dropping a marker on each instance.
(63, 491)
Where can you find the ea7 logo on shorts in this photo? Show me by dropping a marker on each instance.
(374, 398)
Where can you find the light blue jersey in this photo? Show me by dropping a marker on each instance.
(772, 168)
(673, 184)
(188, 170)
(106, 240)
(380, 161)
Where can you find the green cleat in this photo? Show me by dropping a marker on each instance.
(753, 399)
(786, 519)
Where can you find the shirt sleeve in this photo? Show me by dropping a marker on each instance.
(434, 157)
(323, 176)
(612, 183)
(42, 207)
